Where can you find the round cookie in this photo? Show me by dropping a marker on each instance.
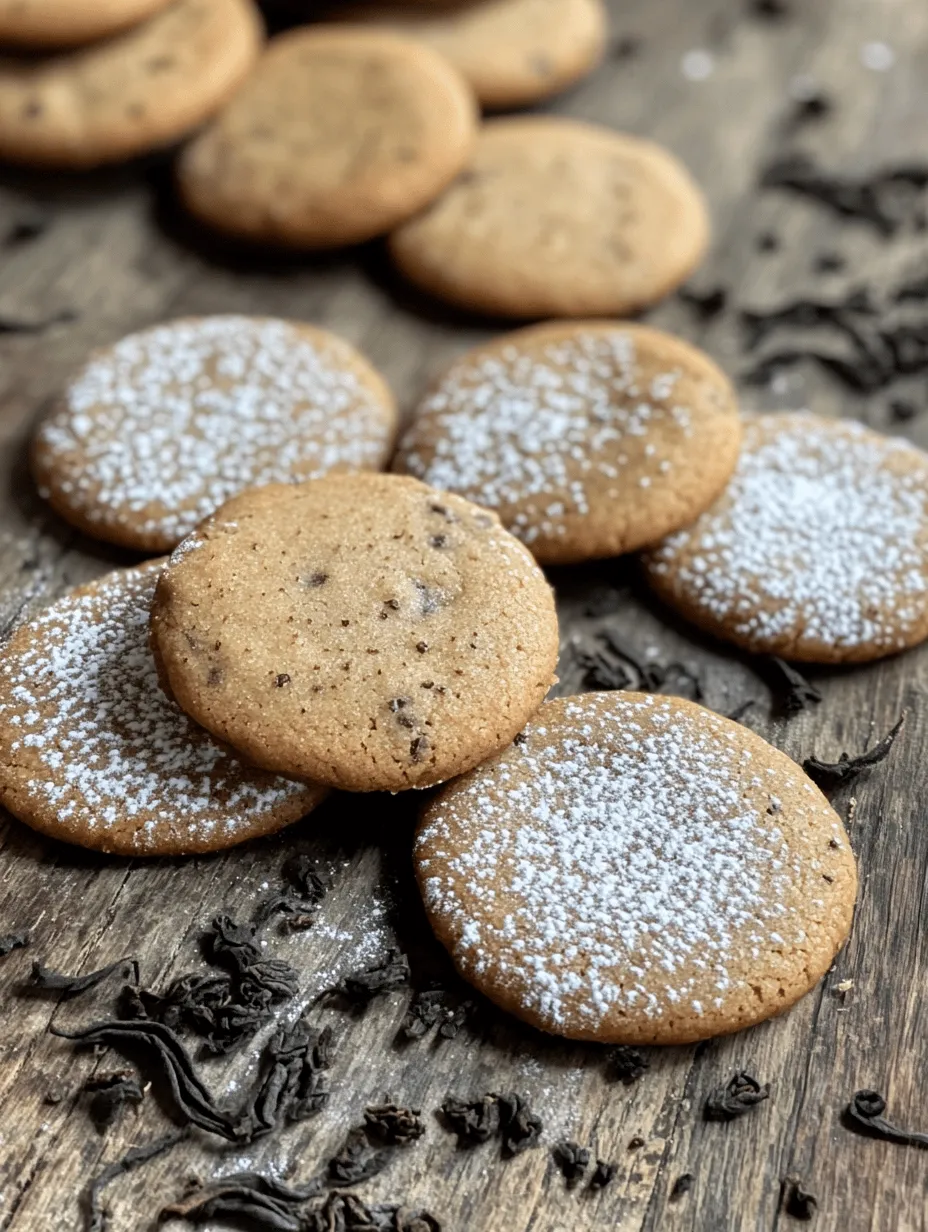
(63, 23)
(403, 637)
(513, 52)
(637, 870)
(93, 752)
(816, 551)
(558, 218)
(157, 431)
(339, 135)
(588, 439)
(142, 89)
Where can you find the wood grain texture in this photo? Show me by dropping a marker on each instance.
(121, 258)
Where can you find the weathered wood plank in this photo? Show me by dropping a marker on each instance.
(121, 263)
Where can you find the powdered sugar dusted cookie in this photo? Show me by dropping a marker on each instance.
(93, 752)
(141, 89)
(588, 439)
(637, 869)
(513, 52)
(401, 634)
(557, 218)
(816, 551)
(158, 430)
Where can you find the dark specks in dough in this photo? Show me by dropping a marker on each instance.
(422, 647)
(281, 680)
(418, 748)
(313, 580)
(215, 676)
(438, 541)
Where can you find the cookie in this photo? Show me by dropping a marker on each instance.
(338, 136)
(557, 218)
(588, 439)
(156, 432)
(513, 52)
(637, 870)
(63, 23)
(403, 637)
(816, 551)
(140, 90)
(93, 752)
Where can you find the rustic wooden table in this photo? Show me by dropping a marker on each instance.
(118, 256)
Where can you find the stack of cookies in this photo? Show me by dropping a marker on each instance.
(613, 867)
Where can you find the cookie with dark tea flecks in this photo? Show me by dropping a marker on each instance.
(637, 870)
(363, 631)
(93, 752)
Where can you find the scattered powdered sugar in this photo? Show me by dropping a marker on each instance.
(530, 427)
(85, 713)
(169, 423)
(821, 536)
(614, 863)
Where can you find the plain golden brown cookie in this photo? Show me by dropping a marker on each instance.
(338, 136)
(129, 94)
(64, 23)
(637, 870)
(360, 630)
(513, 52)
(816, 551)
(93, 752)
(156, 432)
(588, 438)
(558, 218)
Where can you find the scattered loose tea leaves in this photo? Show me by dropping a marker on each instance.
(865, 1111)
(260, 1201)
(519, 1126)
(360, 988)
(71, 985)
(739, 1095)
(356, 1161)
(96, 1212)
(474, 1121)
(291, 1085)
(192, 1100)
(626, 1064)
(12, 941)
(739, 712)
(797, 1201)
(829, 775)
(392, 1125)
(603, 1174)
(682, 1185)
(110, 1094)
(573, 1161)
(706, 304)
(429, 1008)
(792, 692)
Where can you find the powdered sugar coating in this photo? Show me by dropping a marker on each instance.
(561, 429)
(818, 549)
(637, 865)
(93, 751)
(158, 431)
